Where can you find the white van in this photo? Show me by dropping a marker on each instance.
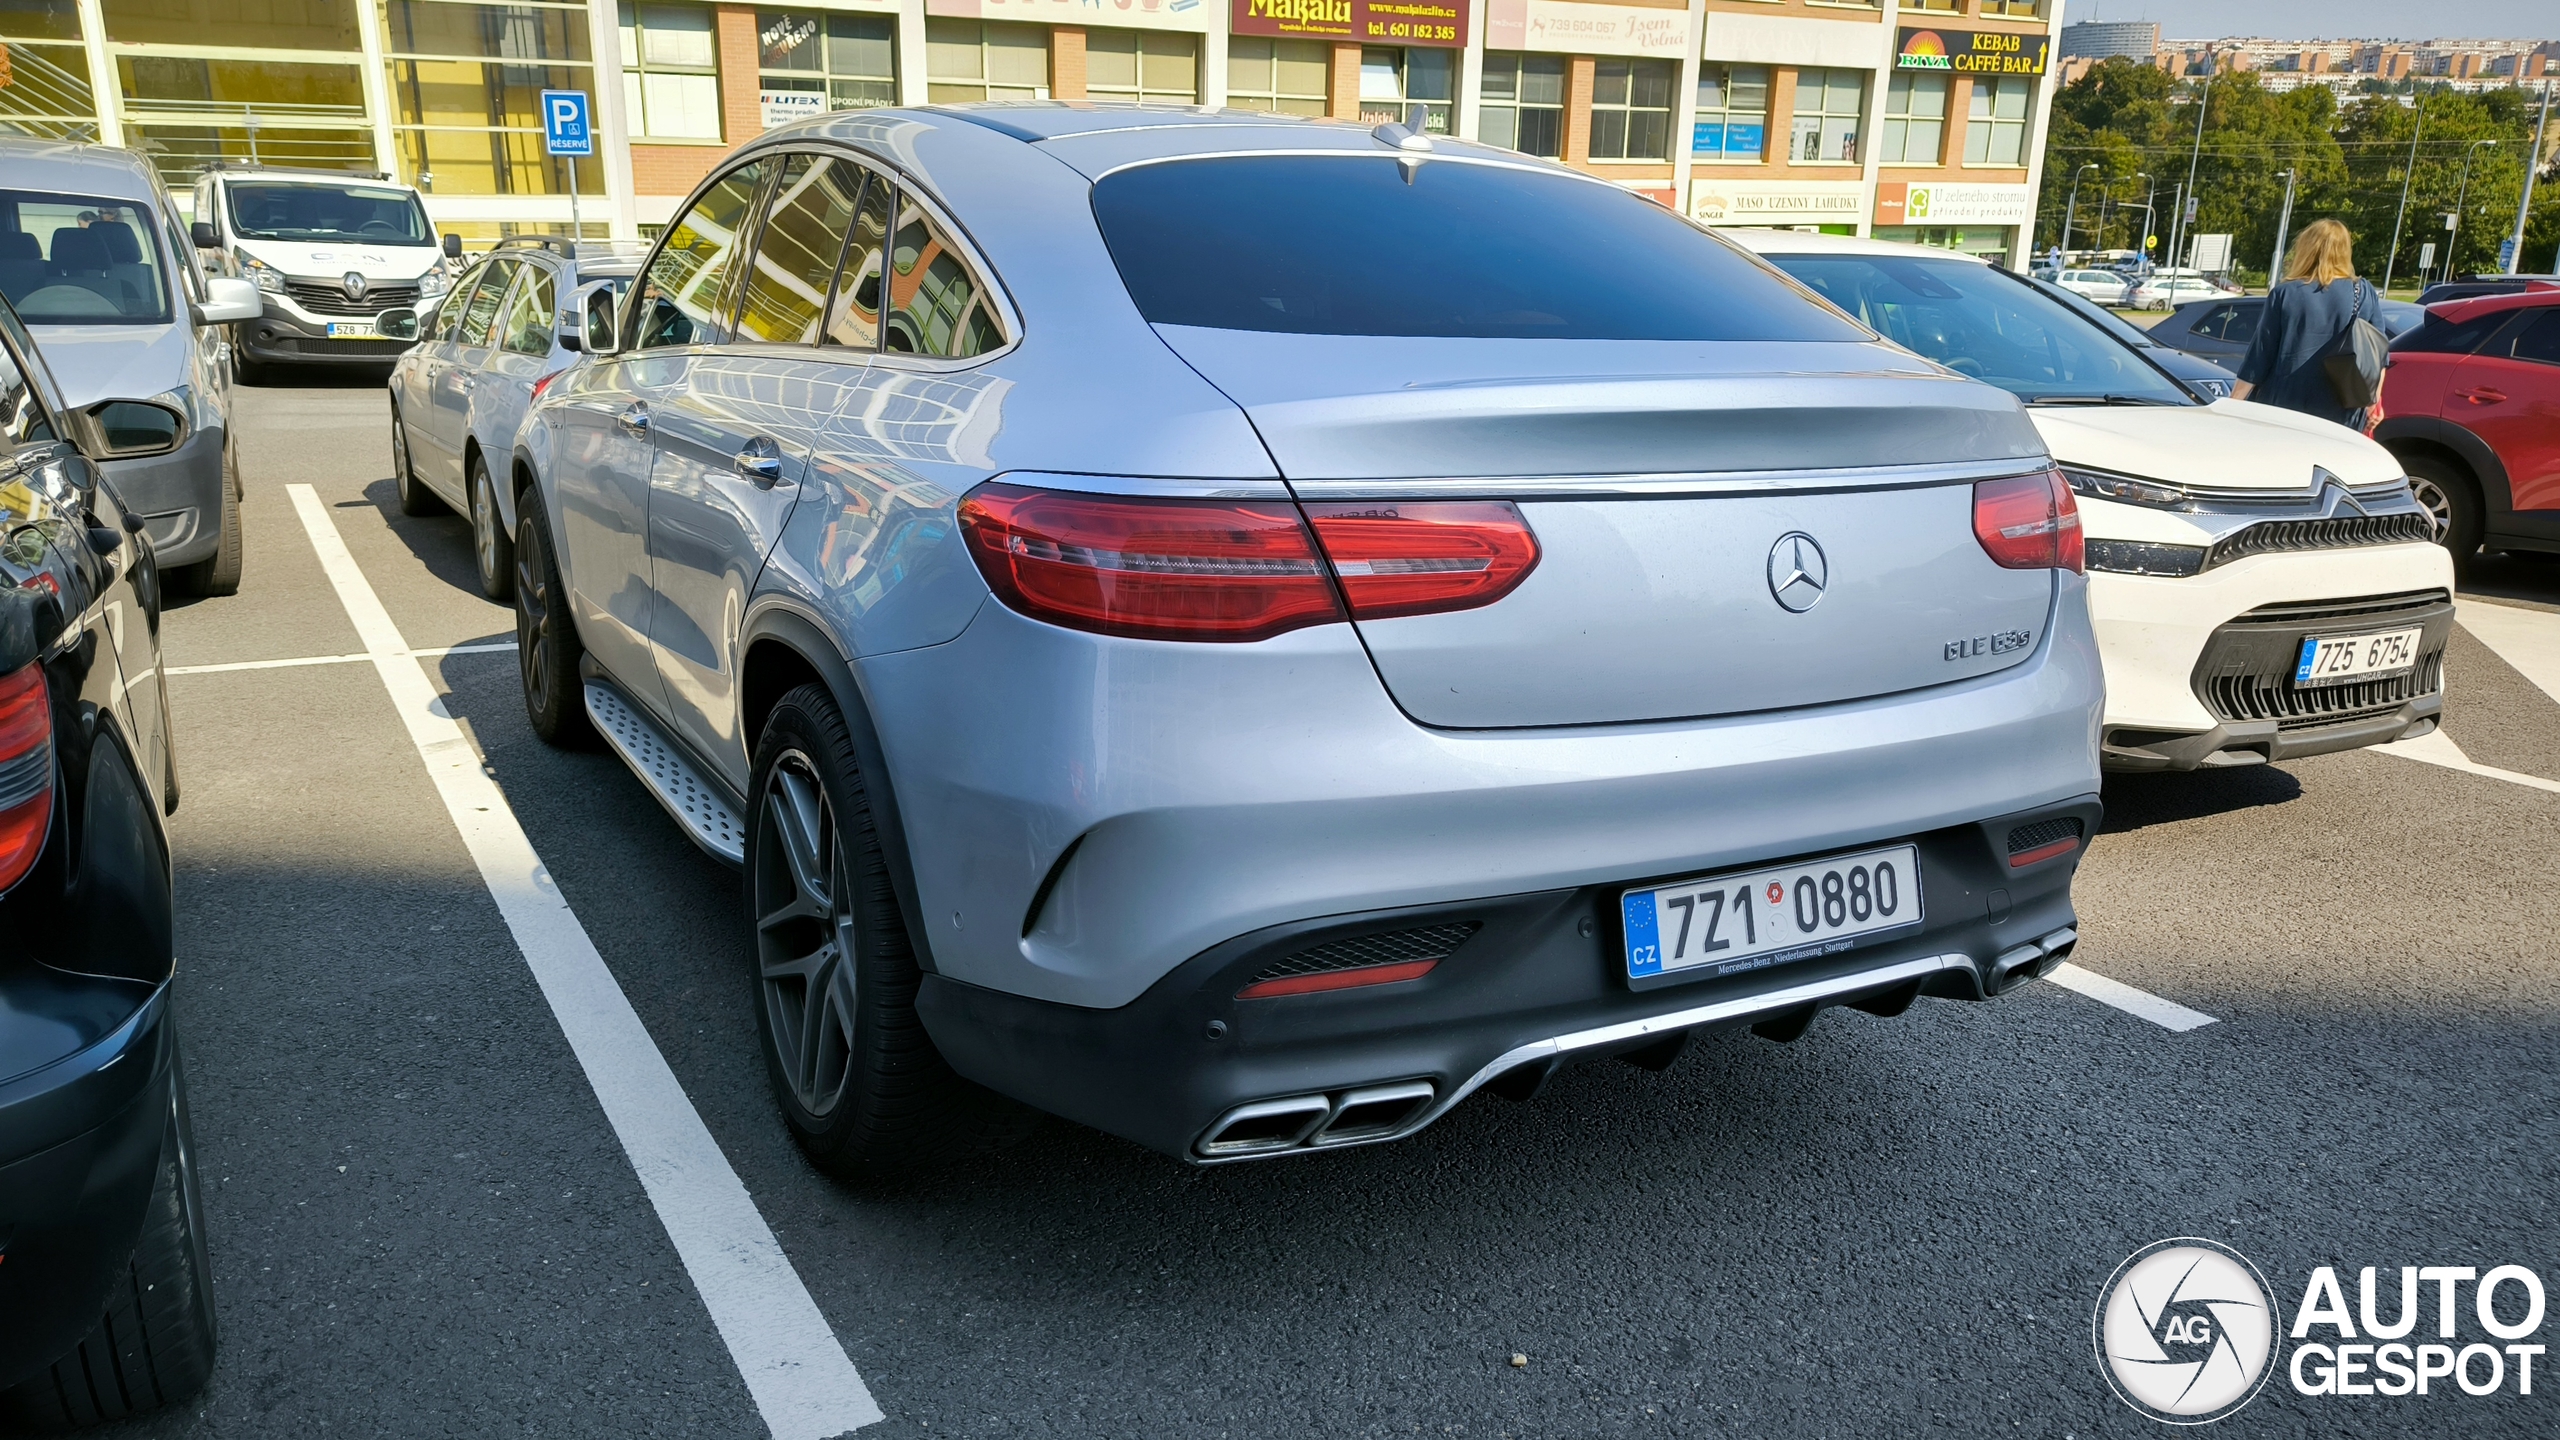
(329, 252)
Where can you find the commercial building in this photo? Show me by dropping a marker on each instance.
(2111, 40)
(1921, 119)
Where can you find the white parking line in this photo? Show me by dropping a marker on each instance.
(492, 648)
(2167, 1014)
(2529, 640)
(2437, 748)
(802, 1381)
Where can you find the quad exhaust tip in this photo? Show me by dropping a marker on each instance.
(1315, 1122)
(2032, 961)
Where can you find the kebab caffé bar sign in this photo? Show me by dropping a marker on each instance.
(1971, 52)
(1382, 22)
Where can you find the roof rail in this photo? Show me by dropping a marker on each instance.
(556, 244)
(228, 164)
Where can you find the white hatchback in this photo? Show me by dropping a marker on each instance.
(2263, 584)
(2104, 286)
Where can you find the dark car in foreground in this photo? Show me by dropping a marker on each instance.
(2471, 405)
(105, 1301)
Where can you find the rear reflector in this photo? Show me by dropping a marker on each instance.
(26, 771)
(1337, 979)
(2029, 522)
(1418, 559)
(2025, 858)
(1154, 569)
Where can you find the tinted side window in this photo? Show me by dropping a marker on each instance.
(681, 293)
(937, 303)
(480, 313)
(526, 327)
(797, 250)
(853, 316)
(457, 300)
(2240, 323)
(2541, 339)
(1302, 244)
(2439, 336)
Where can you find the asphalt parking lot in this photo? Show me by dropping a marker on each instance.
(425, 1222)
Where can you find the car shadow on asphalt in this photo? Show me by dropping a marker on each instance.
(2513, 576)
(442, 543)
(2136, 801)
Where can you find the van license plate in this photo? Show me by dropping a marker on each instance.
(1725, 924)
(2337, 659)
(352, 330)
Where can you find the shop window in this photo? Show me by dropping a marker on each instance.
(973, 60)
(796, 254)
(850, 59)
(1158, 66)
(1524, 103)
(1631, 109)
(670, 72)
(1733, 114)
(253, 24)
(1391, 81)
(1289, 76)
(1915, 120)
(1996, 131)
(938, 306)
(680, 296)
(48, 90)
(1826, 118)
(466, 85)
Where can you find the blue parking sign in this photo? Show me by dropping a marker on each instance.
(564, 123)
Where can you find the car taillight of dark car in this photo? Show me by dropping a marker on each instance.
(26, 771)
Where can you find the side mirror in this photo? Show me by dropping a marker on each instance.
(228, 298)
(130, 429)
(203, 236)
(601, 317)
(452, 246)
(400, 324)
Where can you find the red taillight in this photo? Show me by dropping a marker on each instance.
(1415, 559)
(1337, 979)
(1153, 569)
(2029, 522)
(26, 771)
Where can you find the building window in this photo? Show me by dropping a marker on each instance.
(2014, 9)
(48, 91)
(1631, 109)
(1935, 7)
(1915, 119)
(1826, 121)
(670, 72)
(1393, 80)
(850, 59)
(1733, 114)
(1290, 76)
(466, 85)
(1524, 103)
(1159, 66)
(1996, 132)
(971, 60)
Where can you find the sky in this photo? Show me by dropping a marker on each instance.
(2332, 19)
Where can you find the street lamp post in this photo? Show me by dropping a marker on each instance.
(2072, 207)
(2453, 231)
(2284, 222)
(2392, 258)
(2532, 162)
(2178, 221)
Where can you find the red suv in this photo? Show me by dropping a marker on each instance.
(2472, 408)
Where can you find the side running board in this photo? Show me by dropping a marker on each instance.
(662, 765)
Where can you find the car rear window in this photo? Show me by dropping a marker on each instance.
(1356, 245)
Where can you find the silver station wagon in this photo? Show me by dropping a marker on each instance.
(1243, 631)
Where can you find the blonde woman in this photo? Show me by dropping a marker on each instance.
(2304, 317)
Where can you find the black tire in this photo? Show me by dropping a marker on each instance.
(2450, 494)
(857, 1078)
(547, 646)
(493, 551)
(219, 573)
(415, 498)
(154, 1345)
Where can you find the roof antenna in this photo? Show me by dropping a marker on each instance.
(1412, 145)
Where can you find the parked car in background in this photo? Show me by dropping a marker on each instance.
(106, 1307)
(2471, 404)
(2221, 329)
(2469, 286)
(328, 251)
(2106, 287)
(2262, 583)
(2168, 289)
(2209, 381)
(941, 585)
(94, 259)
(482, 353)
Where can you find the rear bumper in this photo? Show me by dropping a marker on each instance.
(1540, 979)
(178, 495)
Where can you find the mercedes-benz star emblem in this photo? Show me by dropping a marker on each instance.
(1798, 572)
(355, 284)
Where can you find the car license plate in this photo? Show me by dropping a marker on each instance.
(2337, 659)
(1725, 924)
(351, 330)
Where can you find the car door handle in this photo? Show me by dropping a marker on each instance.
(634, 419)
(760, 460)
(2484, 396)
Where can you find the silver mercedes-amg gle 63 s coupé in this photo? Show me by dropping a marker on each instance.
(1243, 631)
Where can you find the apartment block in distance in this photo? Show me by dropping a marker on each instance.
(1917, 120)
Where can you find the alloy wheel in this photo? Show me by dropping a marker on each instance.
(2438, 504)
(805, 947)
(399, 451)
(533, 616)
(484, 525)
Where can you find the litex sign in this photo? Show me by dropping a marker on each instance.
(1383, 22)
(1971, 52)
